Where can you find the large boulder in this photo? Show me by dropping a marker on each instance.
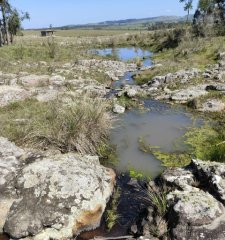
(60, 196)
(9, 166)
(196, 202)
(196, 214)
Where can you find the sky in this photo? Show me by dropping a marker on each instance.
(66, 12)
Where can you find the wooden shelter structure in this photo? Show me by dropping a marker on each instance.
(47, 33)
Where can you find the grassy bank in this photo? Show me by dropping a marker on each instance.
(81, 126)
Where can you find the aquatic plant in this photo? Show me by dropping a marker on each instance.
(111, 215)
(207, 143)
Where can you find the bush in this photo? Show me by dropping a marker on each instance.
(80, 126)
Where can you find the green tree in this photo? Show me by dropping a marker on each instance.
(188, 6)
(5, 7)
(14, 22)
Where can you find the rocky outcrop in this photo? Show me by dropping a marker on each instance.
(186, 95)
(114, 69)
(196, 203)
(51, 196)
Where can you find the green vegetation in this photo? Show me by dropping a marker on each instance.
(111, 215)
(199, 51)
(173, 159)
(207, 143)
(82, 125)
(107, 153)
(156, 197)
(128, 102)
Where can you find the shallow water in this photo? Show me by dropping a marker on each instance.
(126, 54)
(162, 126)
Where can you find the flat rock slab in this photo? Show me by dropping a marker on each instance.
(61, 196)
(213, 105)
(10, 94)
(187, 95)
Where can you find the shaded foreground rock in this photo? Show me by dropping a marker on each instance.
(9, 165)
(51, 196)
(196, 204)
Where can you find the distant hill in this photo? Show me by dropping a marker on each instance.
(129, 22)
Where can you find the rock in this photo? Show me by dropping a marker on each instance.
(7, 79)
(186, 95)
(195, 215)
(196, 202)
(9, 167)
(34, 80)
(213, 105)
(47, 95)
(178, 177)
(157, 81)
(206, 75)
(118, 109)
(10, 94)
(215, 87)
(57, 80)
(221, 56)
(131, 92)
(214, 174)
(61, 195)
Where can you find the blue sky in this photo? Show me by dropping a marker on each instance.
(59, 13)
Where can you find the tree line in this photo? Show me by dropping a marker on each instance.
(10, 22)
(210, 14)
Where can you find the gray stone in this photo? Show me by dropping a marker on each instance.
(61, 196)
(57, 80)
(118, 109)
(9, 167)
(10, 94)
(214, 174)
(213, 105)
(34, 80)
(186, 95)
(195, 215)
(131, 92)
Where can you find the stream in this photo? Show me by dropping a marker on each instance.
(160, 125)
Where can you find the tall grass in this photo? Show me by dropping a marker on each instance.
(80, 126)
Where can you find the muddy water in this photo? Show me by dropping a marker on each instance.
(160, 125)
